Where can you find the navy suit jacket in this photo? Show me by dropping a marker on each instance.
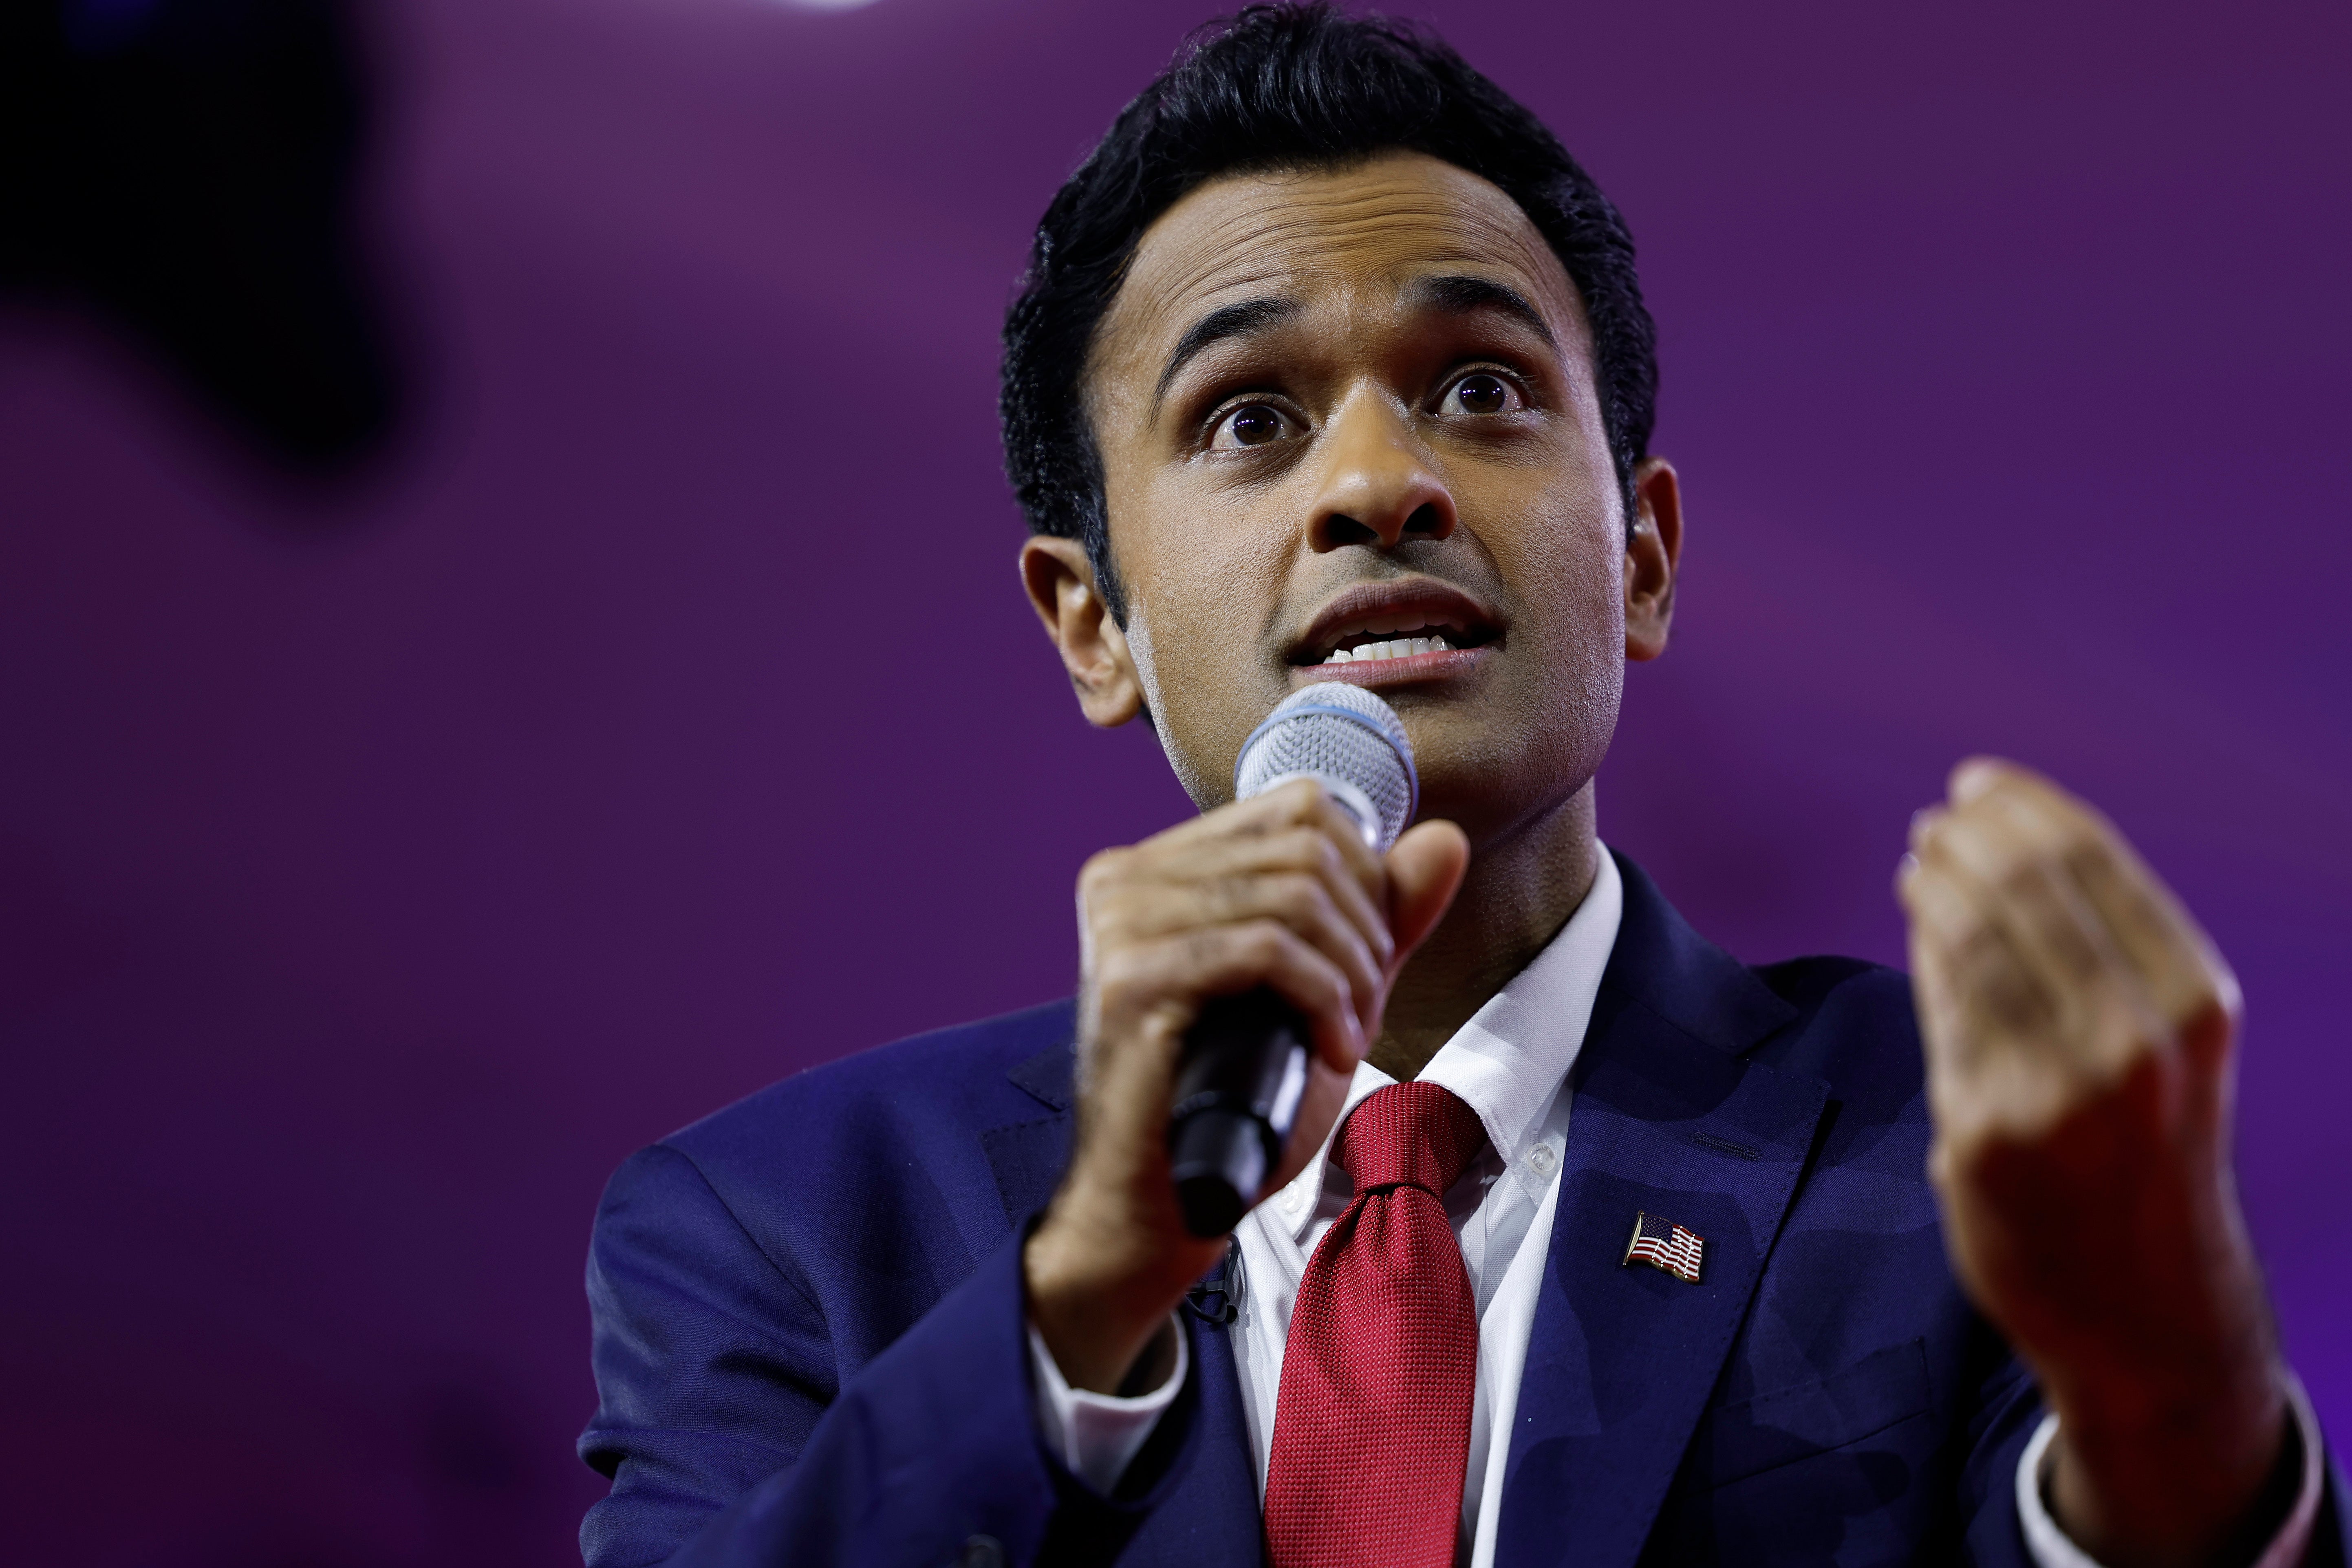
(810, 1343)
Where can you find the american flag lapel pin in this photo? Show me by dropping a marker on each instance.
(1661, 1244)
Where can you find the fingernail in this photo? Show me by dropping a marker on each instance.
(1973, 777)
(1906, 869)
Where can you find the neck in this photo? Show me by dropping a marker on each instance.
(1521, 890)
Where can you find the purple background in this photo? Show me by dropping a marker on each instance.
(373, 876)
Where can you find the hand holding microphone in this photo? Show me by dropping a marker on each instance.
(1245, 1066)
(1278, 899)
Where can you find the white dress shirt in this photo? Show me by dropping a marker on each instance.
(1510, 1063)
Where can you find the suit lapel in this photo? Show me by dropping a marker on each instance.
(1670, 1120)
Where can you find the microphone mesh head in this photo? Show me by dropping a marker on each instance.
(1341, 734)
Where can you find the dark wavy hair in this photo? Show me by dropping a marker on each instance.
(1288, 87)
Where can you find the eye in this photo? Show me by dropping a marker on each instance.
(1251, 425)
(1483, 394)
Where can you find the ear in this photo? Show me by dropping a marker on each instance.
(1654, 554)
(1060, 581)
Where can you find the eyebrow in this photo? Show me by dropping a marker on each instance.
(1462, 295)
(1226, 322)
(1456, 294)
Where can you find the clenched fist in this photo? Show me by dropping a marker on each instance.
(1279, 891)
(2080, 1032)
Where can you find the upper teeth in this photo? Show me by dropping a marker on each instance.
(1398, 648)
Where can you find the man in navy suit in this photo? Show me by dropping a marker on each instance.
(1590, 1243)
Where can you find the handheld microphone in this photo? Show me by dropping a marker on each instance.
(1245, 1065)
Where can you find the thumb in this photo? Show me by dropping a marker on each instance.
(1426, 871)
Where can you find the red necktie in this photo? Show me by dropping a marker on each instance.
(1373, 1426)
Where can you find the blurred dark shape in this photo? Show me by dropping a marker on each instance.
(188, 166)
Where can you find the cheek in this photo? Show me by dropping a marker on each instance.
(1205, 583)
(1215, 580)
(1570, 578)
(1572, 572)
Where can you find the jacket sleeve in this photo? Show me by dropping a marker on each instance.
(1997, 1472)
(2008, 1410)
(732, 1439)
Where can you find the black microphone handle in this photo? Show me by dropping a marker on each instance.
(1229, 1122)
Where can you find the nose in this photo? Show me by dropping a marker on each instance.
(1375, 485)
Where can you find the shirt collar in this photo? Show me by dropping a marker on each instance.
(1508, 1062)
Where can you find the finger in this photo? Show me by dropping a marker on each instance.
(1986, 991)
(2012, 860)
(1935, 999)
(1183, 970)
(1302, 850)
(2176, 972)
(2106, 1017)
(1426, 871)
(1142, 911)
(2145, 962)
(1979, 1083)
(1179, 887)
(1976, 1082)
(2173, 961)
(2008, 867)
(1302, 803)
(2011, 1094)
(1972, 777)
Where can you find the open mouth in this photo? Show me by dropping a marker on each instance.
(1375, 624)
(1367, 645)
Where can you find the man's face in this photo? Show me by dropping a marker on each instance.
(1342, 409)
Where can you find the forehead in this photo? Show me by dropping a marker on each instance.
(1356, 235)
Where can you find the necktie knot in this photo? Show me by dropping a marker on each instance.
(1409, 1134)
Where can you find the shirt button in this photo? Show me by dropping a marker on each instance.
(1292, 1203)
(1541, 1159)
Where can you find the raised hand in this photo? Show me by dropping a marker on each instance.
(2081, 1032)
(1278, 890)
